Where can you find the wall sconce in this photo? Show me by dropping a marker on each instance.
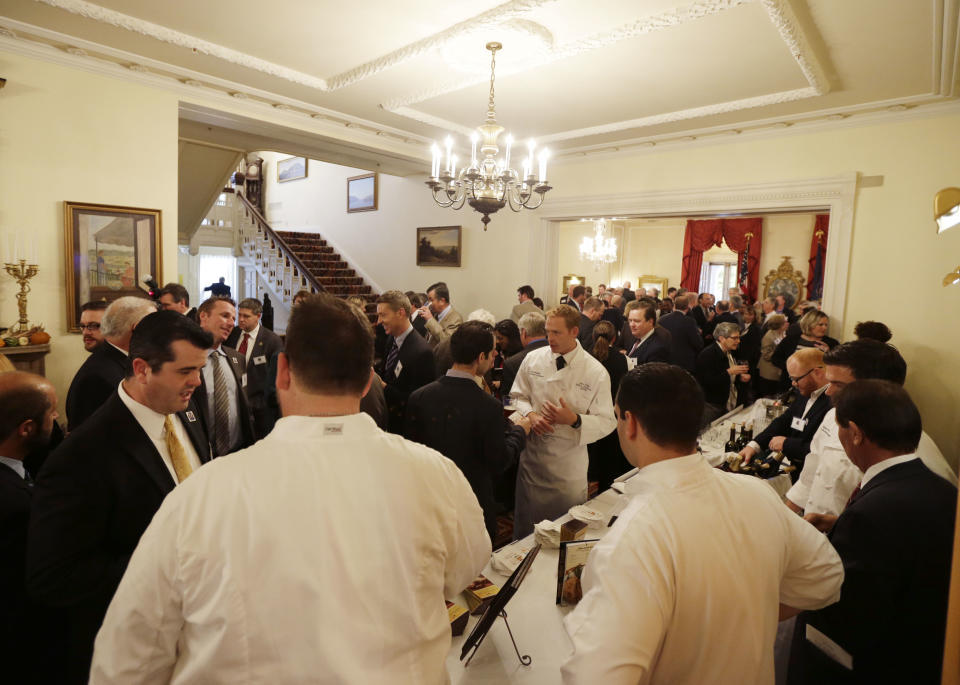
(946, 212)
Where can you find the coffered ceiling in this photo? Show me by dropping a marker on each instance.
(579, 75)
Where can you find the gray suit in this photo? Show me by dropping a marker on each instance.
(524, 308)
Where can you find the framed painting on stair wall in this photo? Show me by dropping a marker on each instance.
(438, 246)
(109, 252)
(362, 193)
(291, 169)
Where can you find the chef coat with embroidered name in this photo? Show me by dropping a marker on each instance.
(552, 474)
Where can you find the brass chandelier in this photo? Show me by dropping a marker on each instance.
(488, 184)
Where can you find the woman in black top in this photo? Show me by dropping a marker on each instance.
(606, 458)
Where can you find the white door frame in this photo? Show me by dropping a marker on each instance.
(836, 194)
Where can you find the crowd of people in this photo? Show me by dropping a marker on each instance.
(230, 505)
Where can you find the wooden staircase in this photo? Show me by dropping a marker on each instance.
(291, 261)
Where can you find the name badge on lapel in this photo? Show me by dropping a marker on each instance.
(190, 417)
(397, 369)
(262, 359)
(798, 424)
(234, 360)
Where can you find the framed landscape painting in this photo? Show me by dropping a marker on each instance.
(362, 193)
(109, 252)
(438, 246)
(291, 169)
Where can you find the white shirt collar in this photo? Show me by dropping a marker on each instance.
(871, 472)
(149, 420)
(649, 333)
(670, 473)
(403, 336)
(15, 464)
(253, 334)
(122, 351)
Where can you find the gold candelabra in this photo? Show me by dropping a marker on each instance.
(22, 273)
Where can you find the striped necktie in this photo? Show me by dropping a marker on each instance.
(221, 408)
(392, 358)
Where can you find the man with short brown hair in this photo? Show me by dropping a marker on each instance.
(257, 346)
(408, 363)
(565, 393)
(221, 397)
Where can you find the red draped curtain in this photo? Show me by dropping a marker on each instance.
(700, 236)
(818, 257)
(739, 234)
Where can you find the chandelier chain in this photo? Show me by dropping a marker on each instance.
(493, 67)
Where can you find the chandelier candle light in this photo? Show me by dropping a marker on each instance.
(600, 249)
(488, 184)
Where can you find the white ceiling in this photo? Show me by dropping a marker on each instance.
(577, 74)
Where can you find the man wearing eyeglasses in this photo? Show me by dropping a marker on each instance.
(792, 432)
(90, 315)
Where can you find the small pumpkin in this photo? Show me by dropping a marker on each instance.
(40, 338)
(23, 341)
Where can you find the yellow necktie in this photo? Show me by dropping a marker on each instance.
(178, 455)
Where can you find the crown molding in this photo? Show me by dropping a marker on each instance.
(200, 88)
(882, 112)
(103, 15)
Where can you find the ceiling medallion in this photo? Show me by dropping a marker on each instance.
(488, 184)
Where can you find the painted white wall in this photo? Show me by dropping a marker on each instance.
(71, 135)
(894, 238)
(382, 243)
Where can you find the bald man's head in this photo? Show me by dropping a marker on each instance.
(28, 408)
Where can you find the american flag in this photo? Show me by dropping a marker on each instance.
(744, 266)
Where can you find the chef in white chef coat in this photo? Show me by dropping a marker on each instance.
(565, 393)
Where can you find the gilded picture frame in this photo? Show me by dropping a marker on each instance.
(439, 245)
(658, 282)
(109, 251)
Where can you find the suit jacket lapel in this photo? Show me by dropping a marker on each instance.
(192, 421)
(131, 438)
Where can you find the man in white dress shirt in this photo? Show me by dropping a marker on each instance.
(265, 567)
(565, 393)
(678, 591)
(829, 478)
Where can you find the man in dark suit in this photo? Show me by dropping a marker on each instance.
(98, 491)
(793, 430)
(591, 313)
(628, 295)
(533, 335)
(221, 397)
(648, 346)
(783, 307)
(256, 345)
(685, 339)
(611, 312)
(724, 315)
(454, 416)
(895, 538)
(28, 412)
(103, 370)
(722, 379)
(174, 297)
(704, 314)
(408, 363)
